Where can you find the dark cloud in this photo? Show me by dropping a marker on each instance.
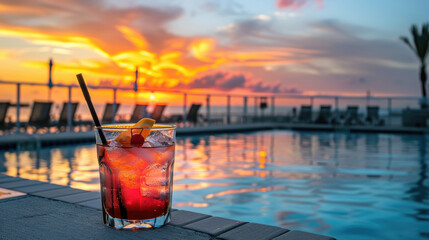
(277, 88)
(235, 81)
(247, 28)
(229, 81)
(219, 80)
(208, 81)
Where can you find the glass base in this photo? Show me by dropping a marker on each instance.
(133, 225)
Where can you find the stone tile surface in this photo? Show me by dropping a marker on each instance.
(39, 188)
(21, 183)
(5, 178)
(32, 217)
(79, 197)
(181, 217)
(299, 235)
(58, 192)
(213, 225)
(252, 231)
(96, 203)
(64, 220)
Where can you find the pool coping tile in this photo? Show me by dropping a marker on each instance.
(299, 235)
(17, 184)
(58, 192)
(214, 225)
(6, 178)
(39, 188)
(95, 203)
(183, 217)
(253, 231)
(79, 197)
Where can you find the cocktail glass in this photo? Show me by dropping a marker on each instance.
(136, 179)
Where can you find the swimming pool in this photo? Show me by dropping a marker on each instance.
(350, 186)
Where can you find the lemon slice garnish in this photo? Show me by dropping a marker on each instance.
(145, 123)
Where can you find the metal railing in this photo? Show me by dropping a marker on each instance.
(275, 104)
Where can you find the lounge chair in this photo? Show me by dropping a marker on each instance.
(139, 112)
(4, 126)
(305, 115)
(415, 117)
(158, 111)
(63, 120)
(40, 116)
(351, 116)
(192, 115)
(372, 116)
(109, 115)
(325, 115)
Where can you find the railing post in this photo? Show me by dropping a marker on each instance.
(185, 102)
(389, 110)
(256, 107)
(18, 107)
(114, 104)
(336, 104)
(69, 111)
(228, 109)
(208, 108)
(368, 98)
(245, 109)
(272, 108)
(337, 110)
(262, 111)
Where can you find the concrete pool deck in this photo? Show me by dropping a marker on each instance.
(40, 210)
(11, 141)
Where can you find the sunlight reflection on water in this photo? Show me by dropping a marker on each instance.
(351, 186)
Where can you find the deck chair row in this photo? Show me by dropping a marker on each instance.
(40, 116)
(349, 117)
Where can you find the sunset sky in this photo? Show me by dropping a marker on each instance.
(240, 46)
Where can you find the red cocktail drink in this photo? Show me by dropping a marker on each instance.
(136, 179)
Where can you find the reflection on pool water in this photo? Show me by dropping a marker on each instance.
(350, 186)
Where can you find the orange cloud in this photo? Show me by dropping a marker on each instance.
(133, 36)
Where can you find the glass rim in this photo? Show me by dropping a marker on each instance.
(125, 126)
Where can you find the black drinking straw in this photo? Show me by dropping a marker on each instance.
(91, 108)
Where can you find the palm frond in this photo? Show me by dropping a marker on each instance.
(415, 33)
(420, 41)
(425, 29)
(406, 41)
(420, 48)
(424, 43)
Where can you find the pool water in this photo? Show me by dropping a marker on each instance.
(349, 186)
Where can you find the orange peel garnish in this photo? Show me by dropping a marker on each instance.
(145, 124)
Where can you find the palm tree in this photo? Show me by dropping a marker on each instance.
(421, 49)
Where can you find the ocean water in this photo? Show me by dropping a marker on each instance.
(349, 186)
